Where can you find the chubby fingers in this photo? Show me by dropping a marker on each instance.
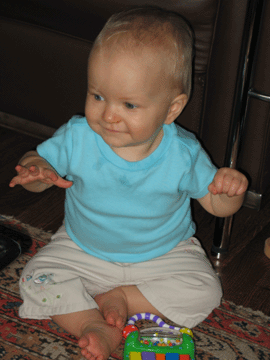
(34, 173)
(51, 177)
(62, 183)
(23, 173)
(228, 181)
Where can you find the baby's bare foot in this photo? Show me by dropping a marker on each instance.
(98, 341)
(113, 307)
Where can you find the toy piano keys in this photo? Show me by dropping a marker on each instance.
(157, 343)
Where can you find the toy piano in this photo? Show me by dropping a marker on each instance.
(164, 342)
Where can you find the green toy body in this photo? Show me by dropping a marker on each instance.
(135, 346)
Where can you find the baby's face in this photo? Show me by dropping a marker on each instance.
(128, 98)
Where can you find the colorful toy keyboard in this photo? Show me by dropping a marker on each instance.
(157, 343)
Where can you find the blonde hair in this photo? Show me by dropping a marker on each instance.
(156, 29)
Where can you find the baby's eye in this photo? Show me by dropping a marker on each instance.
(98, 97)
(130, 106)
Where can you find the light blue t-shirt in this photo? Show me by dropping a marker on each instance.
(125, 211)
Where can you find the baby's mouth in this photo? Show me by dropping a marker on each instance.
(111, 130)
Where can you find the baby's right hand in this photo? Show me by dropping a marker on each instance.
(36, 176)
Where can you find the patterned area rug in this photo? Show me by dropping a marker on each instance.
(230, 332)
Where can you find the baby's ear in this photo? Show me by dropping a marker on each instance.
(177, 106)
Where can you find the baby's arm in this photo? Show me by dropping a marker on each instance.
(36, 174)
(226, 193)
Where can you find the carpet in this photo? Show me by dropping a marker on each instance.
(229, 333)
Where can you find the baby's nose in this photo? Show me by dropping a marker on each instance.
(110, 116)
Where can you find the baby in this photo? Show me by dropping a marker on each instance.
(127, 245)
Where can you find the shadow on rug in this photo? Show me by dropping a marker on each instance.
(229, 333)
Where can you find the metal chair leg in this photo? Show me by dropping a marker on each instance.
(222, 236)
(224, 225)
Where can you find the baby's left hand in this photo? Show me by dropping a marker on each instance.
(228, 181)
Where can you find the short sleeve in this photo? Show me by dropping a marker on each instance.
(57, 149)
(200, 174)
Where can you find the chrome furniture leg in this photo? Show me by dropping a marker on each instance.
(224, 225)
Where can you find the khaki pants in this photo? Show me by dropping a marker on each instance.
(62, 279)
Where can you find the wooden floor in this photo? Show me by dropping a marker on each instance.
(244, 271)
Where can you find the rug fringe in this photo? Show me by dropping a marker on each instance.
(248, 311)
